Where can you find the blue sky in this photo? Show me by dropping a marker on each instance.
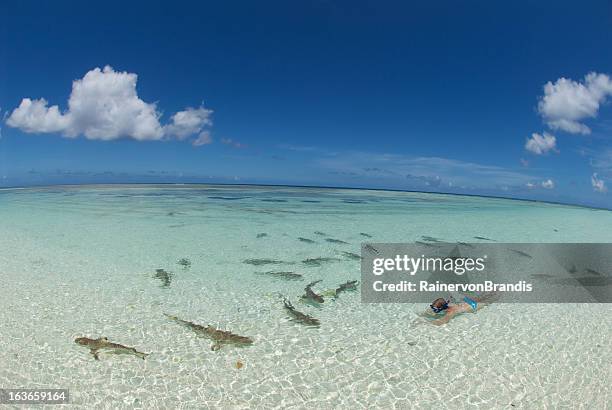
(438, 97)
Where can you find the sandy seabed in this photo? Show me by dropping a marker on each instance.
(81, 262)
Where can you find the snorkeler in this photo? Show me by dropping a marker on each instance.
(450, 309)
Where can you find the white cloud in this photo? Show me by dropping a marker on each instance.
(530, 185)
(35, 116)
(188, 122)
(548, 184)
(541, 144)
(104, 105)
(599, 185)
(566, 102)
(425, 171)
(203, 139)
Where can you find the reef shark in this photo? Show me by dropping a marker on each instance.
(102, 343)
(347, 286)
(164, 276)
(299, 316)
(185, 263)
(318, 261)
(332, 240)
(351, 255)
(310, 294)
(284, 275)
(219, 337)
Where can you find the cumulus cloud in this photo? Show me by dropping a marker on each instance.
(104, 105)
(599, 185)
(540, 144)
(567, 102)
(548, 184)
(35, 116)
(189, 122)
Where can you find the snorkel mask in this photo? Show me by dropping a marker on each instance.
(438, 309)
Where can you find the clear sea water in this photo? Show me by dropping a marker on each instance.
(81, 261)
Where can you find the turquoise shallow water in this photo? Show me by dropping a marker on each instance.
(81, 261)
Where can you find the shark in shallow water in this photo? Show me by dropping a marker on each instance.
(318, 261)
(102, 343)
(484, 238)
(351, 285)
(351, 255)
(263, 261)
(300, 317)
(284, 275)
(184, 262)
(219, 337)
(332, 240)
(310, 295)
(371, 249)
(164, 276)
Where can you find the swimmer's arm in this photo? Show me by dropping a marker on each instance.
(444, 319)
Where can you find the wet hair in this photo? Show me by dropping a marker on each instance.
(439, 305)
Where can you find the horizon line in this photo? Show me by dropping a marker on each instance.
(312, 187)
